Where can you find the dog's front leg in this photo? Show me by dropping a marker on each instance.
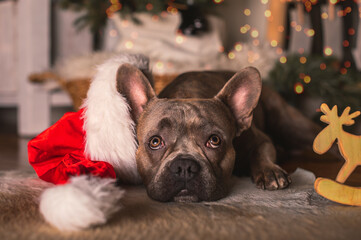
(259, 150)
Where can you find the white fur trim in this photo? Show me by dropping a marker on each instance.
(108, 125)
(84, 202)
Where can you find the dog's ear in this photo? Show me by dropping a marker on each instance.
(241, 94)
(136, 88)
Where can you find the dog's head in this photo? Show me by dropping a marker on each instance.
(185, 148)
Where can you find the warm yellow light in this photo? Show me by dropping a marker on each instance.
(179, 39)
(307, 79)
(328, 51)
(159, 65)
(310, 32)
(324, 15)
(247, 12)
(298, 28)
(129, 44)
(303, 60)
(254, 33)
(283, 59)
(274, 43)
(218, 1)
(231, 55)
(247, 26)
(264, 1)
(243, 30)
(267, 13)
(238, 47)
(333, 1)
(298, 88)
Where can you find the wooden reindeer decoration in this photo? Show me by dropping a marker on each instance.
(350, 148)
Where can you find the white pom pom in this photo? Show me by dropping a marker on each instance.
(84, 202)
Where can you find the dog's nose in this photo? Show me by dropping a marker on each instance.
(184, 169)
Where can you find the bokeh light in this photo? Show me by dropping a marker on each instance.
(247, 12)
(298, 88)
(303, 60)
(129, 45)
(328, 51)
(283, 59)
(307, 79)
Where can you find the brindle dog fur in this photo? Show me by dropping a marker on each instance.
(204, 126)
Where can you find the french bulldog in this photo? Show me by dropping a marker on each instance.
(204, 126)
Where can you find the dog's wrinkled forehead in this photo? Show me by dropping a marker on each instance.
(182, 114)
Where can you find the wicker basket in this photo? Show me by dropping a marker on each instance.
(78, 88)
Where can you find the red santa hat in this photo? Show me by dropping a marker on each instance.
(86, 150)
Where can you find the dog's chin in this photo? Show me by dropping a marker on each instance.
(186, 196)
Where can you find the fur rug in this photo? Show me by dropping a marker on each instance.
(247, 213)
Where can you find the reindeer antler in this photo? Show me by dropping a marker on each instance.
(329, 114)
(346, 118)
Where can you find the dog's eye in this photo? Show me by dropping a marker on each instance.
(156, 143)
(214, 141)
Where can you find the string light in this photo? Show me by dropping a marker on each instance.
(267, 13)
(231, 55)
(283, 59)
(303, 60)
(149, 6)
(310, 32)
(322, 66)
(274, 43)
(159, 65)
(345, 43)
(343, 71)
(307, 79)
(238, 47)
(218, 1)
(324, 15)
(347, 64)
(298, 88)
(328, 51)
(351, 31)
(264, 1)
(247, 12)
(254, 33)
(129, 44)
(179, 39)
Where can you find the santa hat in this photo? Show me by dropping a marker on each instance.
(84, 151)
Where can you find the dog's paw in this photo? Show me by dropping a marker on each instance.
(271, 178)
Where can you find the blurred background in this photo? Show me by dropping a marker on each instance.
(308, 50)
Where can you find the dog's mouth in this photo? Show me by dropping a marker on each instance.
(185, 195)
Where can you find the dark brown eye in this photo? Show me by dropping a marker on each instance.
(214, 141)
(155, 143)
